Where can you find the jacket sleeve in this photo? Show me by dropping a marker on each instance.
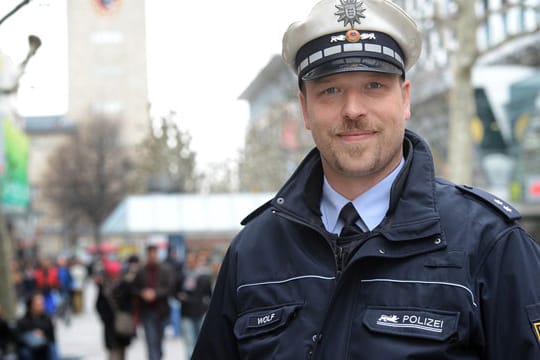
(509, 292)
(216, 339)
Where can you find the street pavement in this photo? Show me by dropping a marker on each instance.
(82, 339)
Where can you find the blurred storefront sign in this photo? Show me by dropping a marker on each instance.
(14, 177)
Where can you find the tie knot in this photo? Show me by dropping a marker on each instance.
(349, 215)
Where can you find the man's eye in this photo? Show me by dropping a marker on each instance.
(331, 90)
(374, 85)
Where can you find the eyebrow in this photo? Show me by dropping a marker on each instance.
(323, 80)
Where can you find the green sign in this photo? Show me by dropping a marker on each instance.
(14, 185)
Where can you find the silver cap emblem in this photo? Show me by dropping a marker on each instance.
(350, 12)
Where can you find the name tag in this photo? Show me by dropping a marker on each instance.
(431, 324)
(264, 319)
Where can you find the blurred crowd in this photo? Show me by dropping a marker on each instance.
(46, 289)
(136, 295)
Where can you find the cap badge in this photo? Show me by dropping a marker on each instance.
(350, 12)
(352, 35)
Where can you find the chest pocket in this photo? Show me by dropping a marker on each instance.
(264, 321)
(411, 322)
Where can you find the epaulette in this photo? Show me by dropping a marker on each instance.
(256, 212)
(509, 212)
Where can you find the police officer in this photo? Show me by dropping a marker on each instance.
(364, 253)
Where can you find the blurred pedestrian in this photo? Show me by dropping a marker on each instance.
(36, 331)
(133, 265)
(29, 281)
(78, 274)
(175, 264)
(114, 297)
(18, 278)
(194, 293)
(65, 286)
(152, 286)
(47, 283)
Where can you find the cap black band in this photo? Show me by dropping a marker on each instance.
(365, 44)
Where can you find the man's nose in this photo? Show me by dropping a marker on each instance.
(354, 106)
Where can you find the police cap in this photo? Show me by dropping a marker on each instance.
(351, 35)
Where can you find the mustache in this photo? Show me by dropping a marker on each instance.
(354, 125)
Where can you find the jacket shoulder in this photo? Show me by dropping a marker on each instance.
(505, 209)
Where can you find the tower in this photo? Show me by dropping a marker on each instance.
(107, 64)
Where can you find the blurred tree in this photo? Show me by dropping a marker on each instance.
(89, 175)
(261, 162)
(221, 177)
(165, 161)
(275, 144)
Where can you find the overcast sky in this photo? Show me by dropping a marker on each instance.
(201, 56)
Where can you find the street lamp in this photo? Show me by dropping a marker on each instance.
(34, 42)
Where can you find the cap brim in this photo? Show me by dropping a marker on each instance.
(351, 64)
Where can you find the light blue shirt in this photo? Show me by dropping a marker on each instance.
(371, 205)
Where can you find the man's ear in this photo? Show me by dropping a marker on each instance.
(406, 90)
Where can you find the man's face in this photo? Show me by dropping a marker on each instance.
(38, 304)
(152, 256)
(357, 120)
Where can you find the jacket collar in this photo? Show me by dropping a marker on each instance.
(412, 213)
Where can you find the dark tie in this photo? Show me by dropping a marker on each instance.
(349, 216)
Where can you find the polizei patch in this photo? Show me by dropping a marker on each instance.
(431, 324)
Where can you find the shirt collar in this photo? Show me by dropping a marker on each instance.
(371, 205)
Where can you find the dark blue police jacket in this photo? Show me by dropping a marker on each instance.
(448, 274)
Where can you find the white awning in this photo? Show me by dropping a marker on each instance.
(200, 215)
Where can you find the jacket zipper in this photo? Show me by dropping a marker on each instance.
(339, 252)
(340, 261)
(339, 258)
